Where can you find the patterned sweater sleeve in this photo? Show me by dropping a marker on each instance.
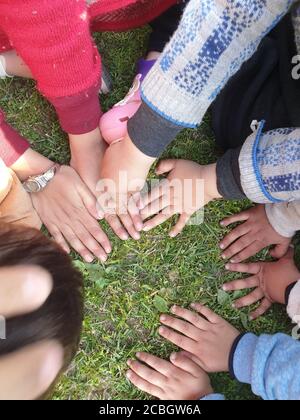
(284, 217)
(213, 40)
(269, 167)
(270, 364)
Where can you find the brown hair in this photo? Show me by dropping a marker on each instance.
(60, 317)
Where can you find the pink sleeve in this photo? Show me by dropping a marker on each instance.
(54, 39)
(12, 144)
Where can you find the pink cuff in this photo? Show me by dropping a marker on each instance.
(81, 113)
(12, 144)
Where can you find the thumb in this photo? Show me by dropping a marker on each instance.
(165, 166)
(280, 250)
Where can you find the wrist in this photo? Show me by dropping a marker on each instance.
(31, 163)
(210, 178)
(88, 144)
(135, 155)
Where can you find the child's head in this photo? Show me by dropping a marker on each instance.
(60, 317)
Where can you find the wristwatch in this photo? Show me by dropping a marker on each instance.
(37, 183)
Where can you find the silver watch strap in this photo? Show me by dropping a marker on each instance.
(41, 181)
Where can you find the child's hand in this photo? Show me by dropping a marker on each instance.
(270, 280)
(182, 379)
(181, 193)
(252, 236)
(123, 173)
(206, 337)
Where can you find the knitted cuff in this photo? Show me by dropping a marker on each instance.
(276, 216)
(151, 133)
(229, 176)
(81, 113)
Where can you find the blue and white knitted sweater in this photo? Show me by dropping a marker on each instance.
(214, 39)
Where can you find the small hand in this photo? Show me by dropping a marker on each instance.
(205, 336)
(187, 188)
(250, 237)
(180, 379)
(269, 280)
(123, 175)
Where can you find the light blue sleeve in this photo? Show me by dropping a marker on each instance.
(270, 364)
(213, 397)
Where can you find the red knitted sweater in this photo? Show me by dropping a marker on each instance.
(54, 39)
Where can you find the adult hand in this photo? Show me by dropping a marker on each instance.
(68, 210)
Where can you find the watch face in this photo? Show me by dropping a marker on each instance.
(32, 186)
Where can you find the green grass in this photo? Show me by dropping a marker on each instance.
(120, 315)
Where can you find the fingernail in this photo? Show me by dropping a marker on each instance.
(138, 354)
(234, 306)
(173, 356)
(222, 223)
(251, 318)
(224, 287)
(161, 330)
(227, 267)
(223, 256)
(193, 305)
(173, 235)
(163, 318)
(137, 236)
(128, 374)
(232, 261)
(124, 237)
(146, 228)
(129, 362)
(222, 246)
(174, 308)
(89, 259)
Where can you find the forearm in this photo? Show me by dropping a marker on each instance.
(31, 163)
(210, 45)
(267, 363)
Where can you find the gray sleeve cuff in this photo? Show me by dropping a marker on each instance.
(229, 176)
(150, 132)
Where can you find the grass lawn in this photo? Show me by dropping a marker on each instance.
(121, 308)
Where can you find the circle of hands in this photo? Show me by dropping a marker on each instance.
(71, 212)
